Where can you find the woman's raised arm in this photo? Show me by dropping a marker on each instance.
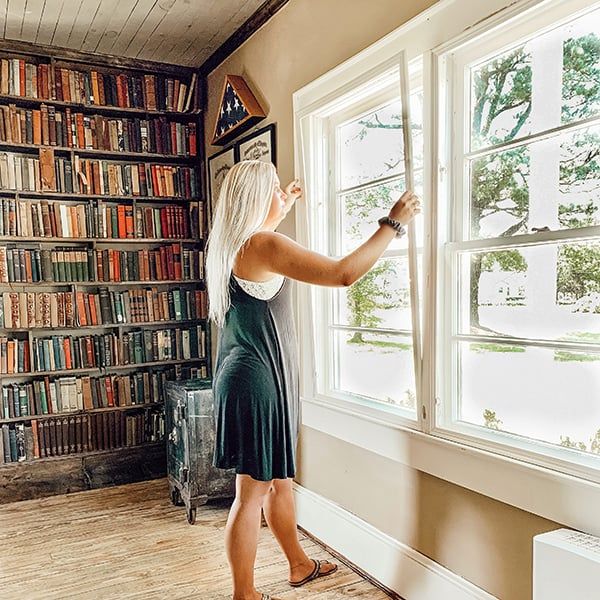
(278, 253)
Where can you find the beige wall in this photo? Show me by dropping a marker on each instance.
(483, 540)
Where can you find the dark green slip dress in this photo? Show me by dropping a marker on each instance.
(256, 386)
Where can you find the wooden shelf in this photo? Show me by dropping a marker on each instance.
(96, 108)
(61, 240)
(105, 325)
(74, 413)
(117, 154)
(147, 445)
(74, 196)
(13, 284)
(99, 370)
(94, 468)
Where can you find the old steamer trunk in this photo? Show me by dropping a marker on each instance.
(190, 443)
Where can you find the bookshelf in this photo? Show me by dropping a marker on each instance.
(102, 234)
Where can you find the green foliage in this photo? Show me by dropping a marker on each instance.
(580, 164)
(572, 216)
(566, 356)
(594, 444)
(581, 77)
(500, 86)
(361, 206)
(506, 260)
(499, 184)
(567, 442)
(476, 347)
(379, 343)
(490, 420)
(578, 271)
(368, 294)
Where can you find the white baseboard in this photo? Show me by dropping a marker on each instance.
(397, 566)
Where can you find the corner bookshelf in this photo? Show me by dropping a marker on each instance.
(102, 294)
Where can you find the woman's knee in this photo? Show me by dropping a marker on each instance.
(281, 487)
(251, 491)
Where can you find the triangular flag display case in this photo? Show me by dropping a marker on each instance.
(238, 110)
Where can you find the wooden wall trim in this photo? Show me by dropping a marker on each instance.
(69, 55)
(251, 26)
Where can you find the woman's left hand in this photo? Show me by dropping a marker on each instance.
(293, 191)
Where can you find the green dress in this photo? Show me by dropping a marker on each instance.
(256, 386)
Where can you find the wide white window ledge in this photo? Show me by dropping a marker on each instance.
(562, 498)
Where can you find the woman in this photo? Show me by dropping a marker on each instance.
(249, 273)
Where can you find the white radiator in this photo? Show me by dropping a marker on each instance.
(566, 566)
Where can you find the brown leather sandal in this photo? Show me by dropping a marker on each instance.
(316, 572)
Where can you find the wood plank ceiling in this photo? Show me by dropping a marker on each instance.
(183, 32)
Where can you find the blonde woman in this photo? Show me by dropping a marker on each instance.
(250, 268)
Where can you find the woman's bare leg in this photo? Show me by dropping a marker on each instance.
(241, 534)
(280, 514)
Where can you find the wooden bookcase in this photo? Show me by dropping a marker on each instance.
(87, 321)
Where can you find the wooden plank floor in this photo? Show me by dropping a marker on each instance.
(129, 542)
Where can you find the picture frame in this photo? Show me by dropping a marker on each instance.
(218, 166)
(258, 145)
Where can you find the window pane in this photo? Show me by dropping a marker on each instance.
(501, 99)
(379, 367)
(552, 79)
(552, 183)
(579, 188)
(372, 146)
(361, 211)
(541, 292)
(379, 299)
(581, 69)
(540, 393)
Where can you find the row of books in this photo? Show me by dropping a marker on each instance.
(66, 352)
(95, 177)
(40, 218)
(101, 177)
(46, 396)
(49, 126)
(43, 174)
(21, 310)
(108, 430)
(19, 77)
(147, 305)
(72, 264)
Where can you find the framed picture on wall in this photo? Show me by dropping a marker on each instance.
(259, 145)
(218, 166)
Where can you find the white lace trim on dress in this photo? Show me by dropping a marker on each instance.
(263, 290)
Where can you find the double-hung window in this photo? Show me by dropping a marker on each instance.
(366, 330)
(520, 307)
(505, 128)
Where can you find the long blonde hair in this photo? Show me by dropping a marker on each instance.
(242, 207)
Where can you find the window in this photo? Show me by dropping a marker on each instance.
(521, 337)
(505, 108)
(368, 327)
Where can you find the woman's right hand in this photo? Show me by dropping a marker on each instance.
(406, 208)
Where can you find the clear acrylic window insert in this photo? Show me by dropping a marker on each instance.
(371, 322)
(524, 353)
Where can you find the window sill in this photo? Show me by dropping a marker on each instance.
(562, 498)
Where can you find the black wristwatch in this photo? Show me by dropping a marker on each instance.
(396, 225)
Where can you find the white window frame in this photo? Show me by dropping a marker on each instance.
(570, 498)
(454, 62)
(325, 297)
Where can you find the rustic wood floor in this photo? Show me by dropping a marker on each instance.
(129, 542)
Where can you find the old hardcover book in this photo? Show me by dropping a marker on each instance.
(47, 172)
